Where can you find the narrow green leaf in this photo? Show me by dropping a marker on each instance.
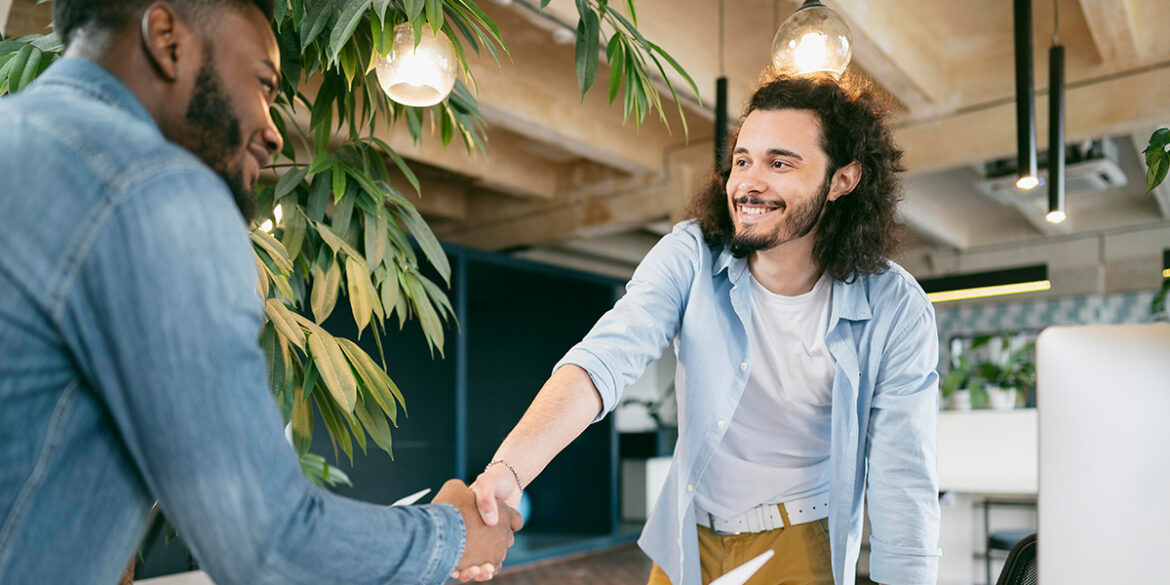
(274, 249)
(315, 20)
(319, 196)
(302, 423)
(616, 56)
(588, 29)
(375, 423)
(333, 368)
(381, 387)
(380, 7)
(293, 232)
(427, 241)
(431, 325)
(347, 21)
(289, 181)
(360, 294)
(1159, 176)
(336, 243)
(414, 8)
(343, 212)
(390, 294)
(324, 295)
(434, 10)
(336, 428)
(281, 318)
(338, 177)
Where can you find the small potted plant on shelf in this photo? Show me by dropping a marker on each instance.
(956, 385)
(1005, 379)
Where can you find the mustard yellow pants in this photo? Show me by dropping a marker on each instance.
(801, 555)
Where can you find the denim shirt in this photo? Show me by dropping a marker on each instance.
(130, 369)
(882, 336)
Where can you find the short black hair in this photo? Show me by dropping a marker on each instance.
(69, 16)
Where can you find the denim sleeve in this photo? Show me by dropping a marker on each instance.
(164, 318)
(902, 483)
(634, 332)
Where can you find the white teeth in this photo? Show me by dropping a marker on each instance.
(755, 210)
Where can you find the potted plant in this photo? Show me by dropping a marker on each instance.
(956, 385)
(1004, 379)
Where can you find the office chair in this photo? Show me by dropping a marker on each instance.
(1020, 568)
(1004, 540)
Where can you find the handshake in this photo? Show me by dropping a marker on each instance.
(489, 513)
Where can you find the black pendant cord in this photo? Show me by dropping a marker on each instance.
(720, 104)
(1025, 90)
(1056, 202)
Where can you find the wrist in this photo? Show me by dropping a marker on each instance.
(503, 464)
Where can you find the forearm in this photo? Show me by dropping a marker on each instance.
(562, 410)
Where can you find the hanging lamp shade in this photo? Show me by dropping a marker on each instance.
(420, 75)
(814, 39)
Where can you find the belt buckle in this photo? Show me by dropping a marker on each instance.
(716, 531)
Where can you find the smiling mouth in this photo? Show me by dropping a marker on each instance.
(755, 209)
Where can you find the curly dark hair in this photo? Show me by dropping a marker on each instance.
(858, 233)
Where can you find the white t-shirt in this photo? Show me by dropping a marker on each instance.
(777, 444)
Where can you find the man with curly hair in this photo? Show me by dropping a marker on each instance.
(806, 375)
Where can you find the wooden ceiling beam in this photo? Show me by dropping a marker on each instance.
(1112, 27)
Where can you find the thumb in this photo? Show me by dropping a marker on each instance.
(486, 502)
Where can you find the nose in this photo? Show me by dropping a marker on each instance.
(270, 135)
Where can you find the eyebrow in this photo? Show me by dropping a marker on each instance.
(772, 152)
(275, 71)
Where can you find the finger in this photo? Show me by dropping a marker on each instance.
(515, 520)
(488, 510)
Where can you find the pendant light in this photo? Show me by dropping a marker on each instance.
(1055, 125)
(814, 39)
(720, 104)
(1025, 96)
(421, 75)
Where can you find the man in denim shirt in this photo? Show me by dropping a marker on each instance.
(130, 369)
(806, 374)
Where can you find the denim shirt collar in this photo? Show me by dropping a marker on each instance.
(86, 77)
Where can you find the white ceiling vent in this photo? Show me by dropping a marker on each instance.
(1090, 166)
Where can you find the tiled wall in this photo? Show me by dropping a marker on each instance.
(1132, 307)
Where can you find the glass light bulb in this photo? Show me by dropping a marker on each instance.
(1055, 216)
(1027, 182)
(266, 226)
(417, 76)
(278, 214)
(814, 39)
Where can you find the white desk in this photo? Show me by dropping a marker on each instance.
(980, 453)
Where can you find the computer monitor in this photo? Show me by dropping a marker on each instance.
(1103, 400)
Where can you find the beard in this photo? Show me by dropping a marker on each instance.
(217, 136)
(799, 222)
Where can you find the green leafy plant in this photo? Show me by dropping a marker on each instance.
(1014, 369)
(959, 377)
(339, 226)
(1157, 158)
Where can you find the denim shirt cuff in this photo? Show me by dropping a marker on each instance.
(450, 540)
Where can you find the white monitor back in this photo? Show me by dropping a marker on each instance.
(1103, 397)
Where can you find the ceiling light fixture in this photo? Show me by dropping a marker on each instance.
(986, 284)
(720, 103)
(421, 74)
(1025, 96)
(1055, 124)
(814, 39)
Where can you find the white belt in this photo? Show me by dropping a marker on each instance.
(767, 516)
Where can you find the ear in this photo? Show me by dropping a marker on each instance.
(845, 180)
(163, 37)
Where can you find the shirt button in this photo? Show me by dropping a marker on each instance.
(743, 366)
(721, 424)
(690, 488)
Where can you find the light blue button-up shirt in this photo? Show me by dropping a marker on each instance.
(884, 431)
(130, 368)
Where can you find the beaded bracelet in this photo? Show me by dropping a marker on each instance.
(519, 484)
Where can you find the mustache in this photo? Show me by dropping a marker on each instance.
(753, 200)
